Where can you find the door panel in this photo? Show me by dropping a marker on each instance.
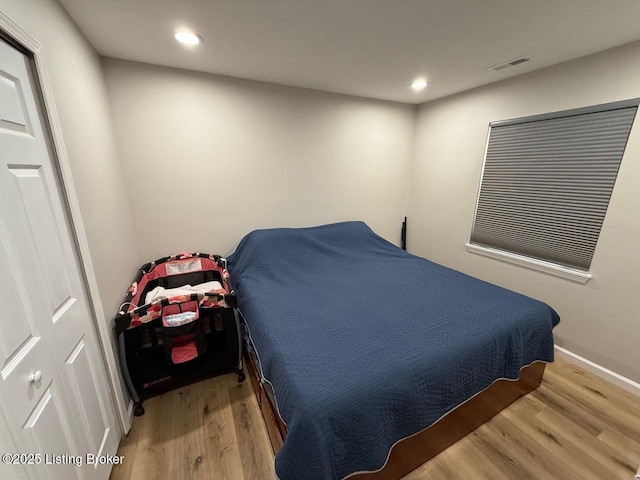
(14, 303)
(13, 116)
(35, 200)
(45, 431)
(83, 383)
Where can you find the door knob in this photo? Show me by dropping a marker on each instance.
(35, 376)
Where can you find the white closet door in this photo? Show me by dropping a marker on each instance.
(54, 393)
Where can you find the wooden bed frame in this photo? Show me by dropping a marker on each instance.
(412, 452)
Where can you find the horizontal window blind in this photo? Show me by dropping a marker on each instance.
(547, 181)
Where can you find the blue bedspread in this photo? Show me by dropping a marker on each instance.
(365, 344)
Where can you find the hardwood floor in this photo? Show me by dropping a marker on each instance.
(575, 426)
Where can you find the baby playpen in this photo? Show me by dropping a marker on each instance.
(177, 325)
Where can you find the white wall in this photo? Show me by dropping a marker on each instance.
(599, 319)
(81, 101)
(209, 158)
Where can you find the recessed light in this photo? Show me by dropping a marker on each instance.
(419, 84)
(188, 38)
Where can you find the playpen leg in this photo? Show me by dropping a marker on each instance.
(241, 376)
(138, 410)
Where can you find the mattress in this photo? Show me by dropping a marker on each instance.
(365, 344)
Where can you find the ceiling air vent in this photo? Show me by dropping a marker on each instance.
(509, 63)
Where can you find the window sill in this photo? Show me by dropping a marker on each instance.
(531, 263)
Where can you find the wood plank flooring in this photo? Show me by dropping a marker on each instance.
(575, 426)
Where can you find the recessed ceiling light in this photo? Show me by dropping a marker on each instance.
(419, 84)
(188, 38)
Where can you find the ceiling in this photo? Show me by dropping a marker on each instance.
(370, 48)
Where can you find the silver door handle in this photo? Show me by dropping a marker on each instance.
(35, 377)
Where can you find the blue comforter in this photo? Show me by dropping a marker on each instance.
(365, 344)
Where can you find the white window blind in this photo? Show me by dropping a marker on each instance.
(547, 181)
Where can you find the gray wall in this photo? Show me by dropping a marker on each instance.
(599, 319)
(209, 158)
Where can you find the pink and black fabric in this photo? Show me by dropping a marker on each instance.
(183, 334)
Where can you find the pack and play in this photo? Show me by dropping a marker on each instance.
(178, 324)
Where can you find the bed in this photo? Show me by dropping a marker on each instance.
(362, 349)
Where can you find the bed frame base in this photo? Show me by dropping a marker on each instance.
(412, 452)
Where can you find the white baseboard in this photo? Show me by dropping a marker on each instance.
(599, 370)
(129, 416)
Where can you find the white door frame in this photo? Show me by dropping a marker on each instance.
(61, 161)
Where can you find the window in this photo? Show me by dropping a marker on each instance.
(546, 185)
